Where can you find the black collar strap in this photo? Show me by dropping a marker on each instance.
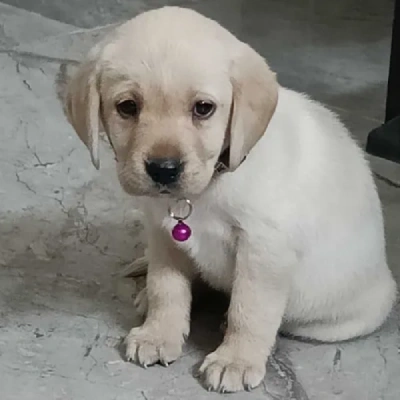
(222, 164)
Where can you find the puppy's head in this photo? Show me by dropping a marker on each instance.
(172, 90)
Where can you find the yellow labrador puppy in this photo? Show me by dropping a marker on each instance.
(292, 230)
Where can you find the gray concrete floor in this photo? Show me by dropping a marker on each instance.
(66, 231)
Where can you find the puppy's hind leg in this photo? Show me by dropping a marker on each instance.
(367, 315)
(136, 268)
(142, 303)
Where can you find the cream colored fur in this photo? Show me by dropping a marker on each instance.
(294, 234)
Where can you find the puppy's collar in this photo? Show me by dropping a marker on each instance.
(181, 231)
(222, 163)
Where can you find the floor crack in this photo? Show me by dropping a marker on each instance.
(19, 180)
(27, 85)
(89, 348)
(144, 395)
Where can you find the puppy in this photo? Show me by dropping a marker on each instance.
(292, 230)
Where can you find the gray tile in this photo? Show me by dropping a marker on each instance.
(18, 26)
(94, 13)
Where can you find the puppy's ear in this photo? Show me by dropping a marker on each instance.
(80, 97)
(255, 96)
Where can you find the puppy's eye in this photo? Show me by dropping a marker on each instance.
(127, 108)
(203, 109)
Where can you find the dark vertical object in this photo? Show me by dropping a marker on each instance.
(393, 89)
(384, 141)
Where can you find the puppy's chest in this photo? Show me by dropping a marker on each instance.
(212, 246)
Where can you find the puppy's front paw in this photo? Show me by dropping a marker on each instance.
(148, 346)
(223, 372)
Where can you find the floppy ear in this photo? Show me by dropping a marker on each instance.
(81, 102)
(255, 96)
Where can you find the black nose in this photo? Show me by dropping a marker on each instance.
(164, 171)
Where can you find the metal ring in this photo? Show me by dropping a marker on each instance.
(186, 216)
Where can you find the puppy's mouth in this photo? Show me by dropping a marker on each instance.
(171, 191)
(167, 192)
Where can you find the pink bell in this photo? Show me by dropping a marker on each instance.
(181, 232)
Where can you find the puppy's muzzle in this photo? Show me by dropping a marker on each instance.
(164, 171)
